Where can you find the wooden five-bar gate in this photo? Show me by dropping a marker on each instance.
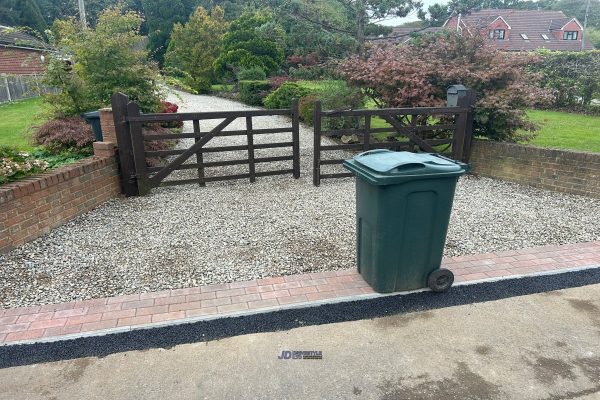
(137, 177)
(428, 129)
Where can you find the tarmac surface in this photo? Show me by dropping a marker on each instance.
(542, 346)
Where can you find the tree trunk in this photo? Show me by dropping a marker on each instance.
(361, 14)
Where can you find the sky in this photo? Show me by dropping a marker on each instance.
(412, 16)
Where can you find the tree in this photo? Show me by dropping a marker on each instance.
(161, 15)
(195, 46)
(23, 13)
(101, 61)
(574, 77)
(355, 18)
(253, 40)
(593, 35)
(419, 72)
(436, 14)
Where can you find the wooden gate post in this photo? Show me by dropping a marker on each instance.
(126, 162)
(296, 138)
(317, 145)
(468, 101)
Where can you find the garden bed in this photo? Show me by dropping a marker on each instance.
(188, 236)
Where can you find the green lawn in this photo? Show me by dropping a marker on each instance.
(566, 131)
(15, 120)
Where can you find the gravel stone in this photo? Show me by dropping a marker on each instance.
(233, 231)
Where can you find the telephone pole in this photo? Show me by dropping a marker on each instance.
(587, 11)
(82, 13)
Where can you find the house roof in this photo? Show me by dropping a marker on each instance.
(11, 37)
(532, 23)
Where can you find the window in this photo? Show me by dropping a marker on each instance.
(545, 37)
(524, 36)
(497, 34)
(570, 35)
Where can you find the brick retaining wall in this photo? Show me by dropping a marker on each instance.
(32, 207)
(559, 170)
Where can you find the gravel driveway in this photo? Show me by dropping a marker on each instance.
(231, 231)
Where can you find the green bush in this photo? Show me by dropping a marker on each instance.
(253, 92)
(251, 74)
(282, 97)
(306, 109)
(336, 95)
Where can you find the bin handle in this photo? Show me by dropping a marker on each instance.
(374, 151)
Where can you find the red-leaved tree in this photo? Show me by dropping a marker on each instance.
(417, 74)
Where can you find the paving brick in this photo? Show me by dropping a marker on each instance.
(169, 300)
(349, 292)
(287, 285)
(314, 282)
(259, 289)
(340, 279)
(231, 308)
(498, 273)
(82, 319)
(320, 296)
(14, 328)
(14, 318)
(263, 304)
(200, 296)
(297, 278)
(303, 290)
(245, 298)
(474, 277)
(24, 335)
(170, 316)
(245, 284)
(152, 310)
(214, 288)
(329, 288)
(274, 294)
(216, 302)
(230, 292)
(198, 312)
(62, 330)
(49, 323)
(21, 311)
(98, 326)
(271, 281)
(90, 303)
(104, 308)
(345, 272)
(184, 306)
(185, 291)
(123, 299)
(118, 314)
(57, 307)
(70, 313)
(476, 269)
(130, 321)
(138, 304)
(155, 295)
(299, 298)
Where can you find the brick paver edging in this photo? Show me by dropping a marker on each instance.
(116, 314)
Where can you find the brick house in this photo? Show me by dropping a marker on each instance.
(21, 54)
(522, 30)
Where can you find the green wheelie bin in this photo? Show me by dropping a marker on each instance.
(403, 205)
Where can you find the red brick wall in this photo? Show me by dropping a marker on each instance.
(558, 170)
(32, 207)
(20, 61)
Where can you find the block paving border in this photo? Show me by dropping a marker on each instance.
(139, 311)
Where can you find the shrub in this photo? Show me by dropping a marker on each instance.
(251, 74)
(65, 134)
(194, 47)
(157, 145)
(101, 61)
(277, 81)
(418, 73)
(168, 107)
(336, 95)
(282, 97)
(15, 165)
(306, 109)
(253, 92)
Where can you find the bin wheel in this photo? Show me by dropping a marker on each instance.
(440, 280)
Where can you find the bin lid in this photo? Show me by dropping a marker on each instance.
(383, 167)
(91, 114)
